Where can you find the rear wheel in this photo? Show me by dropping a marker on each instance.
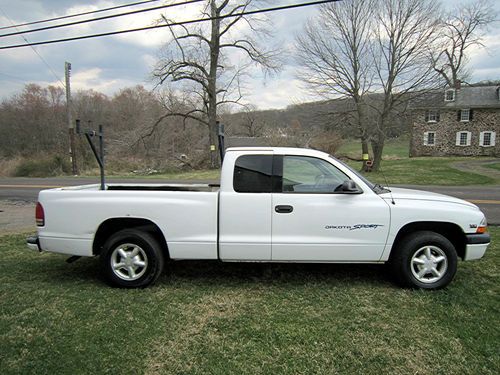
(425, 260)
(132, 259)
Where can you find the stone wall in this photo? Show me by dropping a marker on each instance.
(445, 133)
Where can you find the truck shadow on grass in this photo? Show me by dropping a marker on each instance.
(219, 272)
(210, 273)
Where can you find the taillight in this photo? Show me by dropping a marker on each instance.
(39, 215)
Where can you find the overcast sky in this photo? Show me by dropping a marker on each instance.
(110, 63)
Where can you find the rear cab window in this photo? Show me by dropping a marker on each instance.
(253, 174)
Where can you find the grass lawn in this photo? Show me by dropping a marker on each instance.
(213, 318)
(394, 148)
(398, 168)
(494, 166)
(425, 171)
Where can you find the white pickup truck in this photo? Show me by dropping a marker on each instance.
(273, 205)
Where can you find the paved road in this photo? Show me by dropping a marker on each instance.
(26, 189)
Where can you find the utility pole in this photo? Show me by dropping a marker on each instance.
(71, 129)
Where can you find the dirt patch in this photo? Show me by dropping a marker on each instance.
(16, 217)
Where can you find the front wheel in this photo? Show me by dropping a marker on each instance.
(132, 259)
(425, 260)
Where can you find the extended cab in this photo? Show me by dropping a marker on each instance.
(273, 205)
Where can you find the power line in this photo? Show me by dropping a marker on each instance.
(231, 15)
(100, 18)
(34, 50)
(78, 14)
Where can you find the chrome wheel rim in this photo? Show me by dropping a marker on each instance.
(129, 261)
(429, 264)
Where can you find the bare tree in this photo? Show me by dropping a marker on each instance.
(460, 29)
(334, 51)
(252, 126)
(197, 60)
(381, 46)
(405, 32)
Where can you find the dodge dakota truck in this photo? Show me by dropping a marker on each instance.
(272, 205)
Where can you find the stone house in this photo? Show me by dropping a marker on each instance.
(459, 121)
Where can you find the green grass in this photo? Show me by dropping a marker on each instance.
(493, 166)
(393, 149)
(425, 171)
(398, 168)
(213, 318)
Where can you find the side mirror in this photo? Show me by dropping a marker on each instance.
(349, 187)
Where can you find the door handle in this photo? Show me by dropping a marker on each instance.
(284, 209)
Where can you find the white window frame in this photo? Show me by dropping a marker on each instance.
(492, 138)
(432, 113)
(452, 96)
(426, 139)
(458, 140)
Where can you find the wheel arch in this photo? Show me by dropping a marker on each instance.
(451, 231)
(110, 226)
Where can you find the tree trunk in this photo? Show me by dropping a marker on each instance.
(212, 86)
(214, 146)
(364, 151)
(378, 148)
(363, 133)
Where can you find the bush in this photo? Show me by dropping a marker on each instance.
(327, 141)
(45, 167)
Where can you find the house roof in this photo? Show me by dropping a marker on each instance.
(465, 97)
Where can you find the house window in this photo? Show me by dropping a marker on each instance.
(465, 115)
(463, 139)
(432, 116)
(487, 139)
(429, 138)
(449, 95)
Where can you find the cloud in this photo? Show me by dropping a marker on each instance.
(278, 92)
(97, 80)
(484, 61)
(110, 63)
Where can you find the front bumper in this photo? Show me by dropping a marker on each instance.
(33, 243)
(476, 245)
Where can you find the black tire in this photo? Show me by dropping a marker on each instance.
(420, 257)
(142, 264)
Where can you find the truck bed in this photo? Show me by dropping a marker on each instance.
(186, 214)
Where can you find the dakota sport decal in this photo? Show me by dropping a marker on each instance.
(354, 227)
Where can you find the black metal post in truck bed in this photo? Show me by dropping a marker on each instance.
(99, 156)
(221, 140)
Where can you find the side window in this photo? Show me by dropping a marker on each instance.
(302, 174)
(252, 174)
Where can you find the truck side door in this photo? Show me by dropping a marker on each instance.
(313, 222)
(245, 206)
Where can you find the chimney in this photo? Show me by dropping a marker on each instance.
(458, 84)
